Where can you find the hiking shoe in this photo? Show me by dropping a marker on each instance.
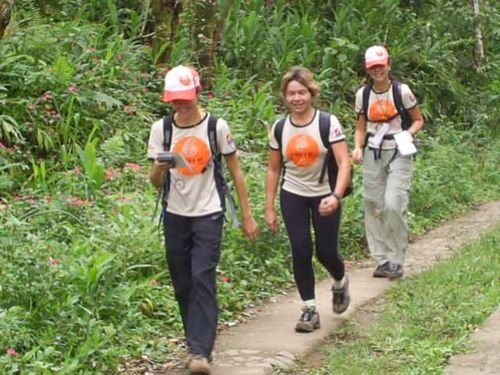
(341, 297)
(381, 270)
(199, 365)
(308, 321)
(395, 271)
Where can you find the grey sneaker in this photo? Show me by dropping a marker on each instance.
(308, 321)
(341, 297)
(395, 271)
(199, 365)
(381, 270)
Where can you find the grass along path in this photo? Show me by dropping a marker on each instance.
(422, 321)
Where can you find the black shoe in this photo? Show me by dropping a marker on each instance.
(395, 271)
(308, 321)
(381, 270)
(341, 297)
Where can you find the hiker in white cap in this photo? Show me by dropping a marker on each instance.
(388, 118)
(186, 149)
(304, 145)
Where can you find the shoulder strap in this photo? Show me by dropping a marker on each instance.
(278, 131)
(167, 132)
(366, 98)
(212, 134)
(324, 128)
(324, 131)
(398, 103)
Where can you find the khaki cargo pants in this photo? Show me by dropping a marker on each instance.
(386, 186)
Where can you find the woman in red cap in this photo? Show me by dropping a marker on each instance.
(388, 119)
(194, 201)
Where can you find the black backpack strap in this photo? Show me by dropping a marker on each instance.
(165, 186)
(278, 131)
(324, 131)
(398, 103)
(366, 99)
(220, 182)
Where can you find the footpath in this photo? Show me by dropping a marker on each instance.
(268, 340)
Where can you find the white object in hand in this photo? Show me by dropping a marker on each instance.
(404, 141)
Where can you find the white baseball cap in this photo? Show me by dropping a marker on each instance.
(181, 83)
(376, 55)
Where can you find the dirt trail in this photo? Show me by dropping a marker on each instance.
(269, 340)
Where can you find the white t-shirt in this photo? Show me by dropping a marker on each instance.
(303, 155)
(381, 109)
(192, 190)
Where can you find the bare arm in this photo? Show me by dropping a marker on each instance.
(249, 225)
(329, 204)
(359, 139)
(417, 120)
(272, 180)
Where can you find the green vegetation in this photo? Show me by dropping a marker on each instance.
(83, 282)
(424, 320)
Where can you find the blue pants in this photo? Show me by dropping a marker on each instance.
(297, 213)
(193, 251)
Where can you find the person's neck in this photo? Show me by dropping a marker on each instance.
(303, 118)
(382, 85)
(189, 118)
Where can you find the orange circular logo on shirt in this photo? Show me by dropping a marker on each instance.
(302, 150)
(196, 152)
(382, 110)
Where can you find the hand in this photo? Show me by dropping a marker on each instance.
(272, 220)
(162, 166)
(328, 205)
(357, 155)
(250, 227)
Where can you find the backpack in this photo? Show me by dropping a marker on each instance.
(329, 165)
(398, 103)
(220, 182)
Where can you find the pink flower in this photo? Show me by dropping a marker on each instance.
(133, 166)
(53, 261)
(12, 352)
(47, 96)
(76, 170)
(72, 89)
(31, 106)
(224, 279)
(111, 173)
(210, 95)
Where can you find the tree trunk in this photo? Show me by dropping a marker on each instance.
(478, 36)
(165, 19)
(5, 8)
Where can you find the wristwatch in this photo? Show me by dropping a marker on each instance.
(339, 198)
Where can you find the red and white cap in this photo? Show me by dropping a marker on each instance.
(181, 83)
(376, 55)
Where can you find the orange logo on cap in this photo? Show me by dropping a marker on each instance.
(196, 152)
(382, 110)
(185, 80)
(302, 150)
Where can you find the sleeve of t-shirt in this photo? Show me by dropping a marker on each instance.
(336, 133)
(225, 138)
(409, 100)
(273, 143)
(155, 143)
(358, 104)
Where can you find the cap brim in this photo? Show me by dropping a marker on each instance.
(382, 61)
(188, 94)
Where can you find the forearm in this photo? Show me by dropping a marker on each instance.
(272, 179)
(241, 190)
(156, 176)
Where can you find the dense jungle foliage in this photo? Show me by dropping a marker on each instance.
(83, 282)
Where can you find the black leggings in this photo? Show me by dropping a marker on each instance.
(297, 213)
